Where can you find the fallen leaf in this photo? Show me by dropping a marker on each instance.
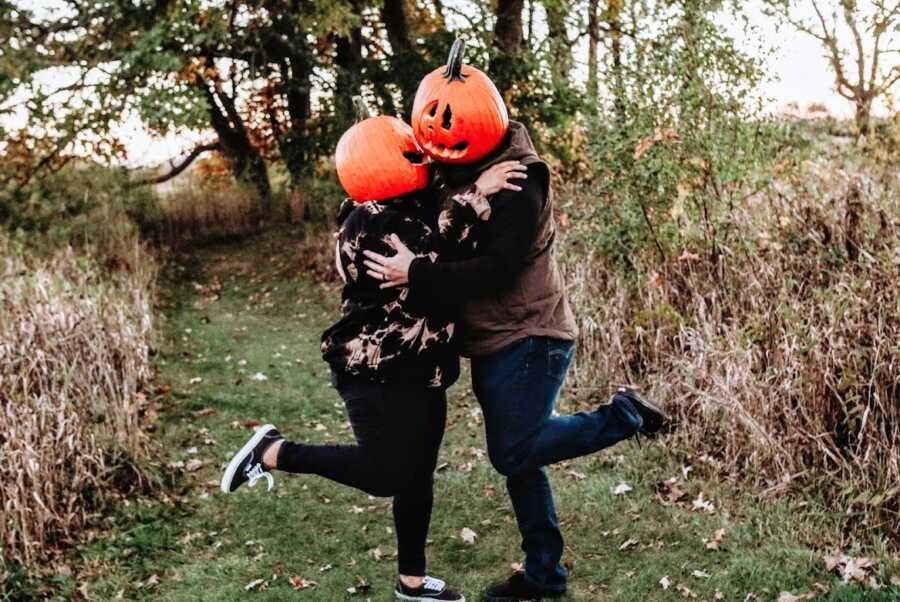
(621, 489)
(193, 465)
(700, 574)
(301, 583)
(196, 380)
(685, 591)
(789, 597)
(360, 587)
(259, 376)
(576, 476)
(855, 569)
(669, 491)
(702, 505)
(468, 535)
(716, 541)
(254, 584)
(629, 543)
(517, 567)
(665, 582)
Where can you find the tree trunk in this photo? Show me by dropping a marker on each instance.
(560, 49)
(247, 164)
(614, 24)
(863, 117)
(407, 66)
(593, 42)
(348, 77)
(506, 62)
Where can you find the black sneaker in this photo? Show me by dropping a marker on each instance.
(651, 414)
(431, 589)
(247, 465)
(517, 589)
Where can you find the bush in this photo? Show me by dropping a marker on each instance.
(779, 358)
(680, 142)
(84, 203)
(74, 359)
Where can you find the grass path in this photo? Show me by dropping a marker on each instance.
(241, 345)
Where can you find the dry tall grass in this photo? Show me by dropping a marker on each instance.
(198, 212)
(74, 342)
(781, 359)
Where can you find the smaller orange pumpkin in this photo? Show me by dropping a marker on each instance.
(458, 115)
(378, 158)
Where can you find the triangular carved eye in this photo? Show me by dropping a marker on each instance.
(433, 110)
(414, 157)
(447, 118)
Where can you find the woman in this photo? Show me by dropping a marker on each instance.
(392, 358)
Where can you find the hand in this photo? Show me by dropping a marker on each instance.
(392, 271)
(497, 177)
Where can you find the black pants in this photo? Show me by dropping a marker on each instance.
(398, 431)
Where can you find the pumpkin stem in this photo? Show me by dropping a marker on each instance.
(455, 60)
(359, 105)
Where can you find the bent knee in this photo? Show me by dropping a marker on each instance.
(509, 461)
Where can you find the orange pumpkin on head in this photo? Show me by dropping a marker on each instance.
(458, 115)
(378, 158)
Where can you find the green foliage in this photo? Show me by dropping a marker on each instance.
(84, 203)
(681, 142)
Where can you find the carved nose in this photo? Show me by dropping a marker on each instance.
(447, 118)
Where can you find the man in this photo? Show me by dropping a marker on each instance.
(518, 329)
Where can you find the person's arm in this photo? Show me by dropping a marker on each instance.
(509, 236)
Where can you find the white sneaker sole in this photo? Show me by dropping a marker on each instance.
(261, 432)
(421, 599)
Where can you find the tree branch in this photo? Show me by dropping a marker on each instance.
(181, 166)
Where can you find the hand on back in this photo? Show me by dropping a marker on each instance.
(501, 177)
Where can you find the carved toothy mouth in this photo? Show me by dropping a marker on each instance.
(414, 157)
(442, 151)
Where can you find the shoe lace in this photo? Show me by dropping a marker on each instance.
(258, 472)
(434, 584)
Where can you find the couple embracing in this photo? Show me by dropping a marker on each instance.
(441, 258)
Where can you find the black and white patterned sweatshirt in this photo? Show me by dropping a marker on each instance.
(390, 335)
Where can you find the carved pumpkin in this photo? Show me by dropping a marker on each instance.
(458, 115)
(378, 158)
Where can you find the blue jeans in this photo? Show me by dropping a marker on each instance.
(517, 389)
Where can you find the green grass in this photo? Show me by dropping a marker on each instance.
(193, 543)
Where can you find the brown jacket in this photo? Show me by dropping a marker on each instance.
(512, 287)
(536, 304)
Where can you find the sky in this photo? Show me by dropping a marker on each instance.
(799, 73)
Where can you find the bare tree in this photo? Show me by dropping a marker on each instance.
(859, 73)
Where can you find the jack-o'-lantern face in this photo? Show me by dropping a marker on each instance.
(458, 115)
(378, 159)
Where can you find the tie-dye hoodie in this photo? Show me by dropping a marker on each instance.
(388, 335)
